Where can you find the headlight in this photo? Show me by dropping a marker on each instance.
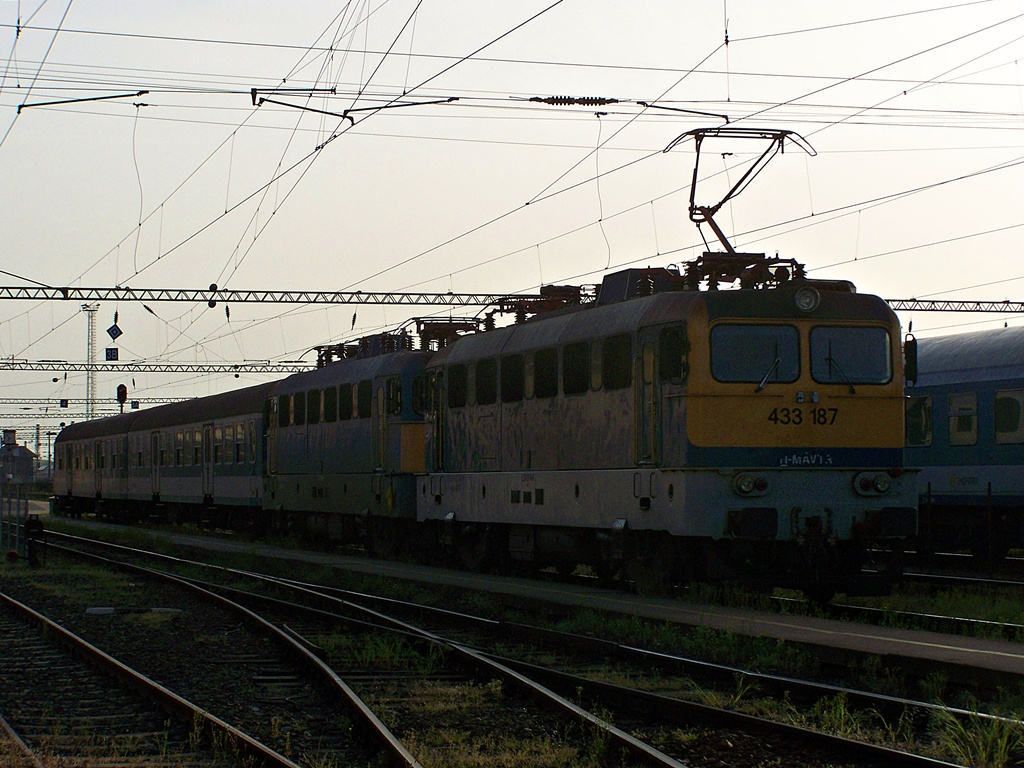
(747, 485)
(807, 299)
(882, 483)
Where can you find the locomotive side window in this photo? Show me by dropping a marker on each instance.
(345, 402)
(299, 408)
(963, 418)
(457, 386)
(513, 378)
(844, 355)
(393, 390)
(919, 421)
(1009, 407)
(486, 382)
(313, 406)
(420, 394)
(576, 368)
(284, 412)
(672, 354)
(331, 404)
(364, 396)
(755, 353)
(545, 373)
(616, 362)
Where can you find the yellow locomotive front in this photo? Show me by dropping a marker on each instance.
(795, 410)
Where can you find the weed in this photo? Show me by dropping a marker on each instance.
(976, 741)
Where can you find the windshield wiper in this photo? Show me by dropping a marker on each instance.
(768, 373)
(846, 379)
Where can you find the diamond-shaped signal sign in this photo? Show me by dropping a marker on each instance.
(113, 331)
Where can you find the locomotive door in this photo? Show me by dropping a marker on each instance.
(647, 400)
(437, 395)
(208, 460)
(154, 462)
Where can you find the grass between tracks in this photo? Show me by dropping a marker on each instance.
(973, 741)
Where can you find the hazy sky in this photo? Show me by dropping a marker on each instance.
(916, 114)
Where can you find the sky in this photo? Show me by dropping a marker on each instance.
(447, 177)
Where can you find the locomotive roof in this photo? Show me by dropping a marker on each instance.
(351, 370)
(971, 357)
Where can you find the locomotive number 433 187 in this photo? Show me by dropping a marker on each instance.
(795, 416)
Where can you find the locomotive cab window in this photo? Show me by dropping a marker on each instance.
(393, 396)
(845, 355)
(963, 418)
(755, 353)
(1009, 423)
(919, 421)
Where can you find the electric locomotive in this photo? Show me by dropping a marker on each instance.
(674, 433)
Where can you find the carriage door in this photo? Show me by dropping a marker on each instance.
(154, 462)
(208, 460)
(647, 400)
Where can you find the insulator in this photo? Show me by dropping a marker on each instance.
(583, 101)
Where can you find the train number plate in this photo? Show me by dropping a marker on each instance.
(822, 417)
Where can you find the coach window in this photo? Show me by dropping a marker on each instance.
(284, 411)
(545, 373)
(188, 447)
(330, 404)
(755, 353)
(486, 382)
(919, 421)
(672, 355)
(576, 368)
(313, 406)
(197, 447)
(299, 408)
(229, 444)
(457, 386)
(252, 442)
(218, 445)
(616, 362)
(513, 378)
(963, 418)
(845, 355)
(1009, 407)
(240, 443)
(365, 397)
(179, 448)
(345, 402)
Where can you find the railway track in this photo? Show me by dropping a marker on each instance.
(66, 703)
(663, 709)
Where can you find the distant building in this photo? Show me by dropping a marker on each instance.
(17, 462)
